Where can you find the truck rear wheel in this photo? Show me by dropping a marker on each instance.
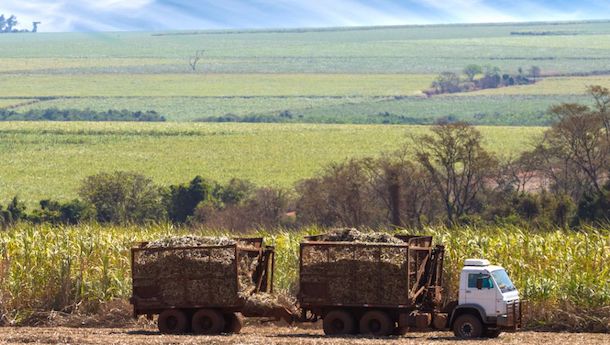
(172, 321)
(377, 323)
(468, 326)
(338, 322)
(208, 321)
(233, 323)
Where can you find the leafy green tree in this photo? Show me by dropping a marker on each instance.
(491, 78)
(235, 191)
(17, 209)
(71, 212)
(14, 212)
(181, 200)
(472, 70)
(447, 82)
(123, 197)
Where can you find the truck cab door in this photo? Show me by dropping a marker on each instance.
(481, 291)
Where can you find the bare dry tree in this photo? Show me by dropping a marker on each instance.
(580, 138)
(457, 165)
(601, 96)
(193, 60)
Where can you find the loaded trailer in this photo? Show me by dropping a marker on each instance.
(387, 285)
(390, 288)
(204, 289)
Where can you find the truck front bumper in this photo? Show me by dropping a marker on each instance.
(513, 319)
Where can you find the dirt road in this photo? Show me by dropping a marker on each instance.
(269, 335)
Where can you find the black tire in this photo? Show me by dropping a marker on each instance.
(172, 321)
(208, 321)
(492, 333)
(376, 323)
(338, 322)
(468, 326)
(233, 323)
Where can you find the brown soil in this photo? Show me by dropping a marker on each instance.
(269, 335)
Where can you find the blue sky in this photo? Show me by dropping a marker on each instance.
(129, 15)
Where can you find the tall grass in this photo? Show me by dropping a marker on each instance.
(77, 268)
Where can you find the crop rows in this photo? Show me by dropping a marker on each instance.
(48, 160)
(575, 47)
(46, 267)
(218, 85)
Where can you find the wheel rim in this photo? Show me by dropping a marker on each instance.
(205, 323)
(338, 325)
(171, 322)
(467, 329)
(374, 326)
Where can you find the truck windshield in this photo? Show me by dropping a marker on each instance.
(503, 281)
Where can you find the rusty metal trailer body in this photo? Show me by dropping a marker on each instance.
(200, 289)
(380, 288)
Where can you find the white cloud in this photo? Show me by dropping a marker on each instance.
(64, 15)
(98, 15)
(351, 12)
(472, 11)
(118, 4)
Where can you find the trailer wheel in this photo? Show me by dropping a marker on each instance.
(208, 321)
(468, 326)
(172, 321)
(338, 322)
(233, 323)
(377, 323)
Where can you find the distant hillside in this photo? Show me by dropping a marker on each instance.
(338, 75)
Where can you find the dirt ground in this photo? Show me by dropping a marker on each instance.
(268, 335)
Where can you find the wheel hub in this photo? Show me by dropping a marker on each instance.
(338, 324)
(172, 322)
(375, 326)
(467, 329)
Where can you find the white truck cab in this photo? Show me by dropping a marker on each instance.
(487, 294)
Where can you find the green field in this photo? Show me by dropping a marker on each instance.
(355, 75)
(563, 274)
(41, 160)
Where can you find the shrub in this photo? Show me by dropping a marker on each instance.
(123, 197)
(595, 207)
(14, 212)
(54, 114)
(181, 200)
(235, 191)
(71, 212)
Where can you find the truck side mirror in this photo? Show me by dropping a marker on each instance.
(480, 283)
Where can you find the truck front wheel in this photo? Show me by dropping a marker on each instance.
(338, 322)
(468, 326)
(208, 321)
(172, 321)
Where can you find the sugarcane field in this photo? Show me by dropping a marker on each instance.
(304, 172)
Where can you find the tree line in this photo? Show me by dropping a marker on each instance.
(55, 114)
(445, 176)
(489, 77)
